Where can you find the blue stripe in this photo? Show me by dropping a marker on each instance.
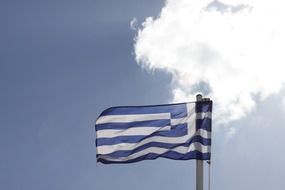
(176, 131)
(205, 123)
(204, 106)
(150, 123)
(126, 153)
(176, 110)
(170, 155)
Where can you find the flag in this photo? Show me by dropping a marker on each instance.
(133, 133)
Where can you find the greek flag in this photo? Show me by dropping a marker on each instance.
(134, 133)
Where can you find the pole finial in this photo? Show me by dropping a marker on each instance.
(199, 97)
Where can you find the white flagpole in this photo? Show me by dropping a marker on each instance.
(199, 163)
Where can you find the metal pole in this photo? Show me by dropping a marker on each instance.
(209, 175)
(199, 163)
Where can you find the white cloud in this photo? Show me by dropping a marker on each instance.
(134, 24)
(230, 50)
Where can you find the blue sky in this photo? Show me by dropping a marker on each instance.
(63, 62)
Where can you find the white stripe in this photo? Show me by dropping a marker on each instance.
(179, 121)
(107, 149)
(180, 149)
(191, 109)
(110, 133)
(131, 118)
(203, 115)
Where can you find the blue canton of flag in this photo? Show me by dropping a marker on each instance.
(175, 131)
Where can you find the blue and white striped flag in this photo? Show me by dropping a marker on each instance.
(175, 131)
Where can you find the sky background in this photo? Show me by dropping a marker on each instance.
(63, 62)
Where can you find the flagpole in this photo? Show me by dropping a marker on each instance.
(199, 163)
